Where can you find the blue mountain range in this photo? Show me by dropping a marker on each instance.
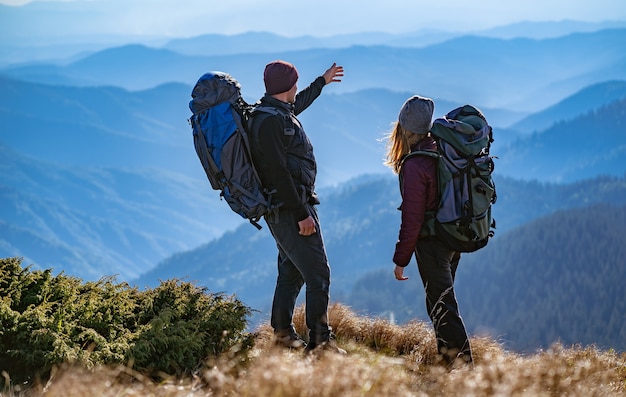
(99, 175)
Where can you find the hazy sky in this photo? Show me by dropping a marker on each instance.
(178, 18)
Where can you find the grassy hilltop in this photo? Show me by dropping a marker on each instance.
(108, 339)
(383, 360)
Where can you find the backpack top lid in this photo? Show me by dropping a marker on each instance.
(465, 128)
(214, 88)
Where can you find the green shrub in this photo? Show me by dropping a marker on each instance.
(181, 323)
(48, 320)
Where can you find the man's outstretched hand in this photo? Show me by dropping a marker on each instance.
(333, 74)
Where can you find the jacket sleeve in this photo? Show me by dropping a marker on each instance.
(275, 172)
(415, 182)
(306, 97)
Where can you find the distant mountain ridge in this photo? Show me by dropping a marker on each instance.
(428, 70)
(92, 221)
(599, 95)
(574, 149)
(124, 160)
(548, 29)
(101, 181)
(112, 127)
(23, 43)
(264, 42)
(107, 126)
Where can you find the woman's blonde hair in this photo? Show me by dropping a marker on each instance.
(399, 142)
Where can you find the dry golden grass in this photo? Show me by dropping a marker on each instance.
(383, 360)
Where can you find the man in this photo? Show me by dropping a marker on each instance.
(284, 157)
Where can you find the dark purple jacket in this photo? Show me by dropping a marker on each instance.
(419, 183)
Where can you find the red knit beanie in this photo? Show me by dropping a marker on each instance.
(279, 76)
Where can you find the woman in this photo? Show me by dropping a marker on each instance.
(436, 262)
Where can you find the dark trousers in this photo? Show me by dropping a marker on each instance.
(301, 260)
(437, 267)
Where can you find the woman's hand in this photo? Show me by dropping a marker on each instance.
(399, 273)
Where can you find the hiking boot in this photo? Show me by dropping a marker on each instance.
(327, 346)
(289, 341)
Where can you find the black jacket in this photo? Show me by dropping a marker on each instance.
(283, 153)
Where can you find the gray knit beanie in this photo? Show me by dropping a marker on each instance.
(416, 114)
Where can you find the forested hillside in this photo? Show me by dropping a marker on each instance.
(557, 278)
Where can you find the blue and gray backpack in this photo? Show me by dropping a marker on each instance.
(466, 189)
(219, 124)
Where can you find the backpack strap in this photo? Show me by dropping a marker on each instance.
(428, 226)
(259, 113)
(267, 110)
(427, 153)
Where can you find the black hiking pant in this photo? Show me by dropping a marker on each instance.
(437, 266)
(301, 260)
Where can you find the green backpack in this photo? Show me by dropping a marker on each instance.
(466, 189)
